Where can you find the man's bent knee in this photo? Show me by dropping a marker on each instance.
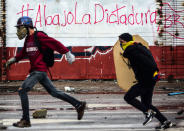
(127, 98)
(22, 90)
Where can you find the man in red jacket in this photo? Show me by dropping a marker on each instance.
(38, 70)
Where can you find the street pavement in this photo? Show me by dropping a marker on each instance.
(105, 112)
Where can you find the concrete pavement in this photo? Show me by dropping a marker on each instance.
(105, 112)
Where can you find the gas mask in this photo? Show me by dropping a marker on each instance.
(21, 32)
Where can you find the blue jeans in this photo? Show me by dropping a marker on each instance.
(43, 79)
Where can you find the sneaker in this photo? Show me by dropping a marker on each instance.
(22, 123)
(149, 116)
(80, 110)
(165, 125)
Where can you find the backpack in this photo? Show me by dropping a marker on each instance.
(48, 54)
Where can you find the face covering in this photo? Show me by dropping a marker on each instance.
(125, 45)
(21, 32)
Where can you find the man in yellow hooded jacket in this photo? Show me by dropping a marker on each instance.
(146, 72)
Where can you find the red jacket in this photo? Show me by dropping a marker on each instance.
(31, 51)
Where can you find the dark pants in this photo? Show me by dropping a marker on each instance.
(145, 91)
(43, 79)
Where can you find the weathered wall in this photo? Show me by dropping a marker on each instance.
(90, 29)
(97, 63)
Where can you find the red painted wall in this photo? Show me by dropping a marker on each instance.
(88, 65)
(170, 60)
(98, 63)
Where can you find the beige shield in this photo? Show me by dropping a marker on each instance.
(124, 74)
